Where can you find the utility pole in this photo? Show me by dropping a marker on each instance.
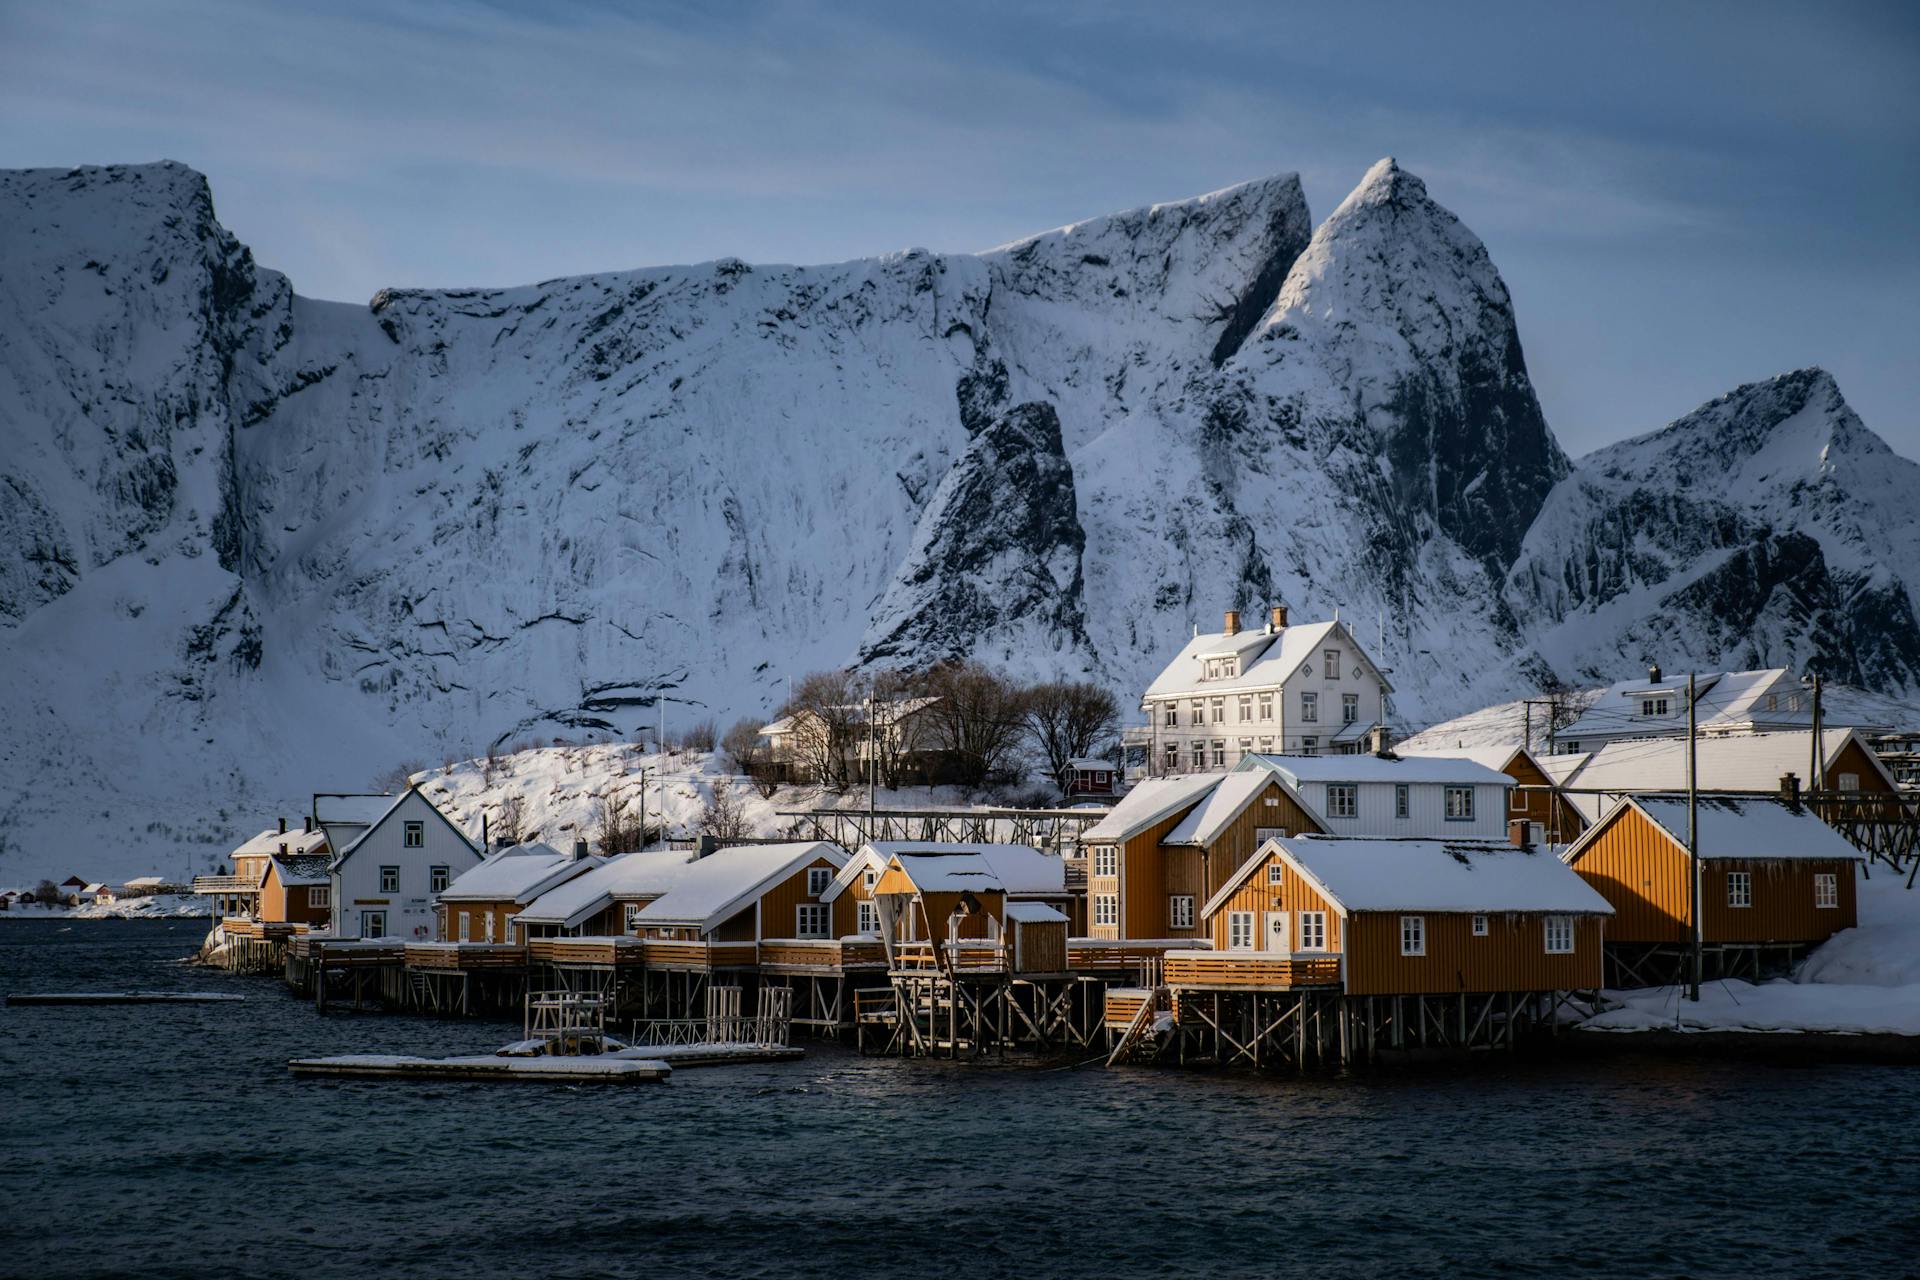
(873, 758)
(1817, 770)
(643, 806)
(1693, 846)
(1528, 708)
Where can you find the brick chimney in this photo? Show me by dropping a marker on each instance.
(1277, 617)
(1790, 789)
(1653, 673)
(283, 826)
(1233, 622)
(1519, 831)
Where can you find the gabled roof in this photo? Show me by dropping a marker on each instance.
(268, 843)
(397, 801)
(1453, 769)
(1495, 758)
(518, 874)
(1267, 658)
(1483, 876)
(1034, 913)
(947, 872)
(296, 870)
(1729, 762)
(630, 875)
(358, 809)
(1732, 828)
(1203, 825)
(719, 886)
(1149, 802)
(1021, 868)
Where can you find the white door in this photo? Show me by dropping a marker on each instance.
(1278, 938)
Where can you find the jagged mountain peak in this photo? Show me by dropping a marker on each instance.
(1794, 420)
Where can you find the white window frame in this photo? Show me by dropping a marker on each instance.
(1479, 926)
(1106, 908)
(389, 879)
(1240, 935)
(319, 896)
(818, 880)
(1246, 708)
(1650, 707)
(867, 917)
(1219, 710)
(465, 932)
(1180, 911)
(813, 920)
(1170, 716)
(1558, 932)
(1739, 889)
(1197, 712)
(413, 834)
(1453, 793)
(1349, 708)
(376, 918)
(1348, 805)
(1309, 707)
(1849, 781)
(1106, 860)
(1173, 757)
(1413, 935)
(486, 926)
(1310, 746)
(1313, 931)
(1219, 753)
(438, 878)
(1402, 801)
(1826, 890)
(1199, 754)
(1266, 706)
(870, 878)
(1276, 872)
(632, 917)
(1330, 663)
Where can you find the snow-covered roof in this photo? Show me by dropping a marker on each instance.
(341, 855)
(1487, 876)
(351, 810)
(1149, 802)
(1725, 702)
(268, 842)
(949, 872)
(1730, 762)
(1090, 762)
(715, 888)
(303, 869)
(1034, 913)
(1738, 827)
(1225, 803)
(1267, 658)
(1020, 868)
(1454, 769)
(1495, 758)
(142, 882)
(519, 873)
(630, 875)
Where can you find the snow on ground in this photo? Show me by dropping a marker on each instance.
(1863, 981)
(162, 906)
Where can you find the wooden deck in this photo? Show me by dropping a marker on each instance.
(700, 957)
(549, 1070)
(1211, 970)
(1100, 955)
(465, 955)
(811, 955)
(607, 952)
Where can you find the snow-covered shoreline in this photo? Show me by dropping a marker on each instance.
(164, 906)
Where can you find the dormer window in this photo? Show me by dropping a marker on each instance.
(1219, 669)
(1653, 706)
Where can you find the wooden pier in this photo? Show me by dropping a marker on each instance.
(122, 997)
(601, 1069)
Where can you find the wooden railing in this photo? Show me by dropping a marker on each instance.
(821, 953)
(594, 951)
(465, 955)
(664, 954)
(967, 955)
(1136, 954)
(225, 884)
(1250, 969)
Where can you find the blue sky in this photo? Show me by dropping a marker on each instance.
(1681, 197)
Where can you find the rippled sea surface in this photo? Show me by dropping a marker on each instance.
(172, 1141)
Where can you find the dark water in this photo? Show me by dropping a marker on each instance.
(172, 1141)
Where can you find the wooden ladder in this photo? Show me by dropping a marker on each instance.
(1137, 1029)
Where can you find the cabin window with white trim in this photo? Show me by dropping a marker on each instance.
(870, 879)
(413, 835)
(1849, 782)
(1310, 708)
(1343, 800)
(1349, 708)
(1263, 834)
(1196, 712)
(1246, 707)
(373, 924)
(486, 926)
(1739, 888)
(811, 920)
(320, 895)
(1170, 715)
(1199, 754)
(632, 917)
(389, 879)
(1479, 926)
(1180, 911)
(1402, 800)
(1331, 661)
(437, 878)
(1826, 889)
(1239, 930)
(868, 918)
(818, 878)
(1559, 935)
(1313, 931)
(1459, 804)
(1266, 746)
(466, 926)
(1219, 710)
(1173, 757)
(1413, 935)
(1266, 706)
(1219, 753)
(1653, 706)
(1309, 746)
(1276, 872)
(1106, 860)
(1106, 909)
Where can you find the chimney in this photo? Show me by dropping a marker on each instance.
(283, 848)
(1519, 831)
(1790, 789)
(283, 826)
(1653, 673)
(1378, 737)
(1278, 616)
(707, 845)
(1233, 622)
(306, 823)
(579, 850)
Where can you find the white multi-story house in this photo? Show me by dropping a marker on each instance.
(1725, 703)
(1306, 690)
(385, 881)
(1429, 797)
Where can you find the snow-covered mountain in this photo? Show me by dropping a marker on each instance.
(253, 544)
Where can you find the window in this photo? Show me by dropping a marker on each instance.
(1313, 931)
(871, 878)
(1480, 927)
(1522, 800)
(869, 917)
(1246, 746)
(373, 924)
(1219, 753)
(1180, 911)
(1106, 860)
(1459, 804)
(437, 878)
(1309, 746)
(1559, 935)
(413, 835)
(1266, 706)
(1219, 710)
(818, 878)
(1343, 800)
(1849, 782)
(1413, 935)
(1349, 708)
(1196, 712)
(1106, 909)
(811, 919)
(1773, 702)
(320, 895)
(1310, 708)
(633, 917)
(1402, 800)
(1239, 930)
(1276, 872)
(1246, 707)
(1653, 706)
(1199, 754)
(1331, 661)
(466, 927)
(1263, 834)
(1826, 889)
(1173, 757)
(486, 926)
(1266, 746)
(389, 879)
(1170, 715)
(1739, 888)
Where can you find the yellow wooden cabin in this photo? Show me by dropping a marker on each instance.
(956, 915)
(296, 890)
(725, 908)
(482, 904)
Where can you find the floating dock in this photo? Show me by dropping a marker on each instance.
(599, 1069)
(711, 1055)
(125, 997)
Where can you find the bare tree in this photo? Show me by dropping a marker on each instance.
(827, 709)
(724, 818)
(976, 718)
(617, 828)
(47, 893)
(699, 736)
(399, 777)
(507, 821)
(1066, 720)
(899, 732)
(750, 755)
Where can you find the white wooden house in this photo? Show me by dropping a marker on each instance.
(1443, 797)
(385, 881)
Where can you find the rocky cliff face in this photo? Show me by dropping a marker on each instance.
(252, 544)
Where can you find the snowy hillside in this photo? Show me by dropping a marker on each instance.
(253, 545)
